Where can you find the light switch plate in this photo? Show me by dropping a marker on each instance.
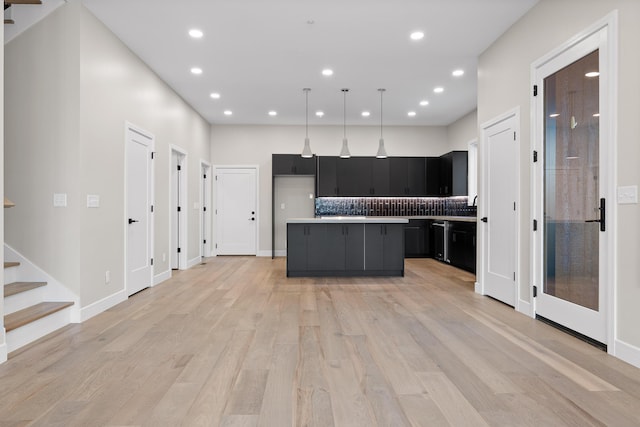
(93, 201)
(59, 200)
(628, 195)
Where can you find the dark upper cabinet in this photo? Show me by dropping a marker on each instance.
(380, 180)
(453, 174)
(327, 177)
(292, 164)
(354, 176)
(408, 176)
(433, 176)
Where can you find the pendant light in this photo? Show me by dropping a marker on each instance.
(382, 153)
(344, 153)
(306, 151)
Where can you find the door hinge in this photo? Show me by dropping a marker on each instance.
(535, 225)
(535, 90)
(514, 206)
(514, 135)
(216, 211)
(153, 154)
(204, 241)
(205, 176)
(535, 156)
(179, 167)
(151, 261)
(204, 208)
(151, 208)
(535, 291)
(178, 208)
(514, 276)
(216, 177)
(216, 246)
(178, 250)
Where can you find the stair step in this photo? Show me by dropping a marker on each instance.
(11, 264)
(8, 203)
(19, 287)
(23, 317)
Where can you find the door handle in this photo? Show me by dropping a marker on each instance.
(603, 215)
(131, 221)
(484, 219)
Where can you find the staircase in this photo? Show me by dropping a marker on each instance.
(27, 315)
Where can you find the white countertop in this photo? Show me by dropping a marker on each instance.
(447, 218)
(350, 220)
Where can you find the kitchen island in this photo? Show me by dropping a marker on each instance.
(345, 246)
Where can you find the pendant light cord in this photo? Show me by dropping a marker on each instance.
(306, 125)
(344, 112)
(381, 92)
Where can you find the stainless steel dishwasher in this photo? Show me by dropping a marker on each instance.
(440, 238)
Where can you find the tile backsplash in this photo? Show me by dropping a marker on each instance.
(393, 206)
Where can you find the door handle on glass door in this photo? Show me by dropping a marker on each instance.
(603, 215)
(131, 221)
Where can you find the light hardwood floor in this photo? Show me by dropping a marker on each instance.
(236, 343)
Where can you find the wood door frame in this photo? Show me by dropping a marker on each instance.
(151, 232)
(608, 133)
(521, 306)
(183, 223)
(215, 199)
(206, 190)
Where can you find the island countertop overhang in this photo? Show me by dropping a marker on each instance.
(348, 219)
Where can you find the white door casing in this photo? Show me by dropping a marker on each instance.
(138, 209)
(236, 210)
(178, 208)
(499, 208)
(596, 324)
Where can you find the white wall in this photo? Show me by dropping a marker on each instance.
(3, 342)
(71, 86)
(253, 145)
(504, 83)
(463, 131)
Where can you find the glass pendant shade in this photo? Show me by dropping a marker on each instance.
(382, 153)
(306, 151)
(344, 153)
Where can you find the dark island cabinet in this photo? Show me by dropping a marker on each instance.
(344, 249)
(382, 244)
(453, 173)
(292, 164)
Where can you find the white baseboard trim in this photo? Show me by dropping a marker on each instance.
(161, 277)
(627, 352)
(98, 307)
(194, 261)
(266, 253)
(4, 353)
(477, 287)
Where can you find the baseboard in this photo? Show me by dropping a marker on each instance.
(4, 353)
(266, 253)
(159, 278)
(195, 261)
(627, 352)
(98, 307)
(477, 287)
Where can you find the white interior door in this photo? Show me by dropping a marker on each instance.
(139, 216)
(572, 187)
(500, 178)
(236, 211)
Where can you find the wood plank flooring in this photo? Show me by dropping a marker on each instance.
(235, 343)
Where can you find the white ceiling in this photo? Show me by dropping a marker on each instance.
(260, 54)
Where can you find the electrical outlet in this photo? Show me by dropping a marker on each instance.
(282, 206)
(107, 277)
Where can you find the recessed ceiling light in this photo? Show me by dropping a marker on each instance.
(215, 95)
(327, 72)
(196, 70)
(438, 89)
(592, 74)
(195, 33)
(319, 113)
(273, 113)
(366, 114)
(417, 35)
(457, 73)
(411, 114)
(228, 112)
(424, 103)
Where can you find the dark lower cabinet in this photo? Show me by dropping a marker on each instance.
(383, 243)
(462, 245)
(334, 249)
(417, 239)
